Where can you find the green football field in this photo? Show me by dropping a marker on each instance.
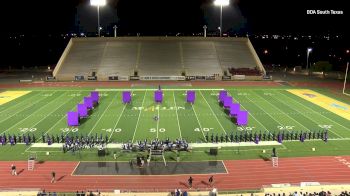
(270, 110)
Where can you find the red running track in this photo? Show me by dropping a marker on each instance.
(242, 174)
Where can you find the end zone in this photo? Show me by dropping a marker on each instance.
(330, 104)
(8, 96)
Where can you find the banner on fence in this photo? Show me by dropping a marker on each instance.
(123, 78)
(112, 77)
(50, 78)
(239, 77)
(200, 77)
(134, 78)
(190, 77)
(92, 77)
(209, 77)
(226, 77)
(79, 78)
(162, 78)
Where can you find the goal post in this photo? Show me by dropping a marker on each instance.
(345, 91)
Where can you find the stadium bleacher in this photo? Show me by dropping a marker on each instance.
(155, 56)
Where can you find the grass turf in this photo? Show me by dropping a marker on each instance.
(270, 110)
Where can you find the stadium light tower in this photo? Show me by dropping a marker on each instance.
(221, 3)
(307, 58)
(98, 3)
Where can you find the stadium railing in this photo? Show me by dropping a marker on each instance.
(334, 188)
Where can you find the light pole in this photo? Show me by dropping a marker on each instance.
(98, 3)
(346, 71)
(221, 3)
(115, 30)
(307, 58)
(205, 30)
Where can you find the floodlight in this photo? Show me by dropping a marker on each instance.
(222, 2)
(98, 2)
(307, 58)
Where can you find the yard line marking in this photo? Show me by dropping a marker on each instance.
(138, 119)
(55, 125)
(251, 114)
(177, 116)
(316, 113)
(60, 119)
(34, 112)
(279, 109)
(47, 116)
(15, 114)
(101, 116)
(115, 125)
(198, 121)
(158, 122)
(213, 112)
(20, 103)
(267, 114)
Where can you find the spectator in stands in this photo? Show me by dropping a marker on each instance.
(178, 192)
(13, 170)
(53, 175)
(43, 193)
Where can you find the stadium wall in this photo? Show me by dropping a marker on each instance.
(63, 57)
(256, 57)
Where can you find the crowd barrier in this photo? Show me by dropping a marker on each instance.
(25, 81)
(310, 187)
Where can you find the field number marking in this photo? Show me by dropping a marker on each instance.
(27, 129)
(110, 130)
(285, 127)
(268, 94)
(74, 95)
(245, 128)
(153, 130)
(203, 129)
(65, 130)
(325, 126)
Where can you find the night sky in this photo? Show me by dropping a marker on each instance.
(153, 17)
